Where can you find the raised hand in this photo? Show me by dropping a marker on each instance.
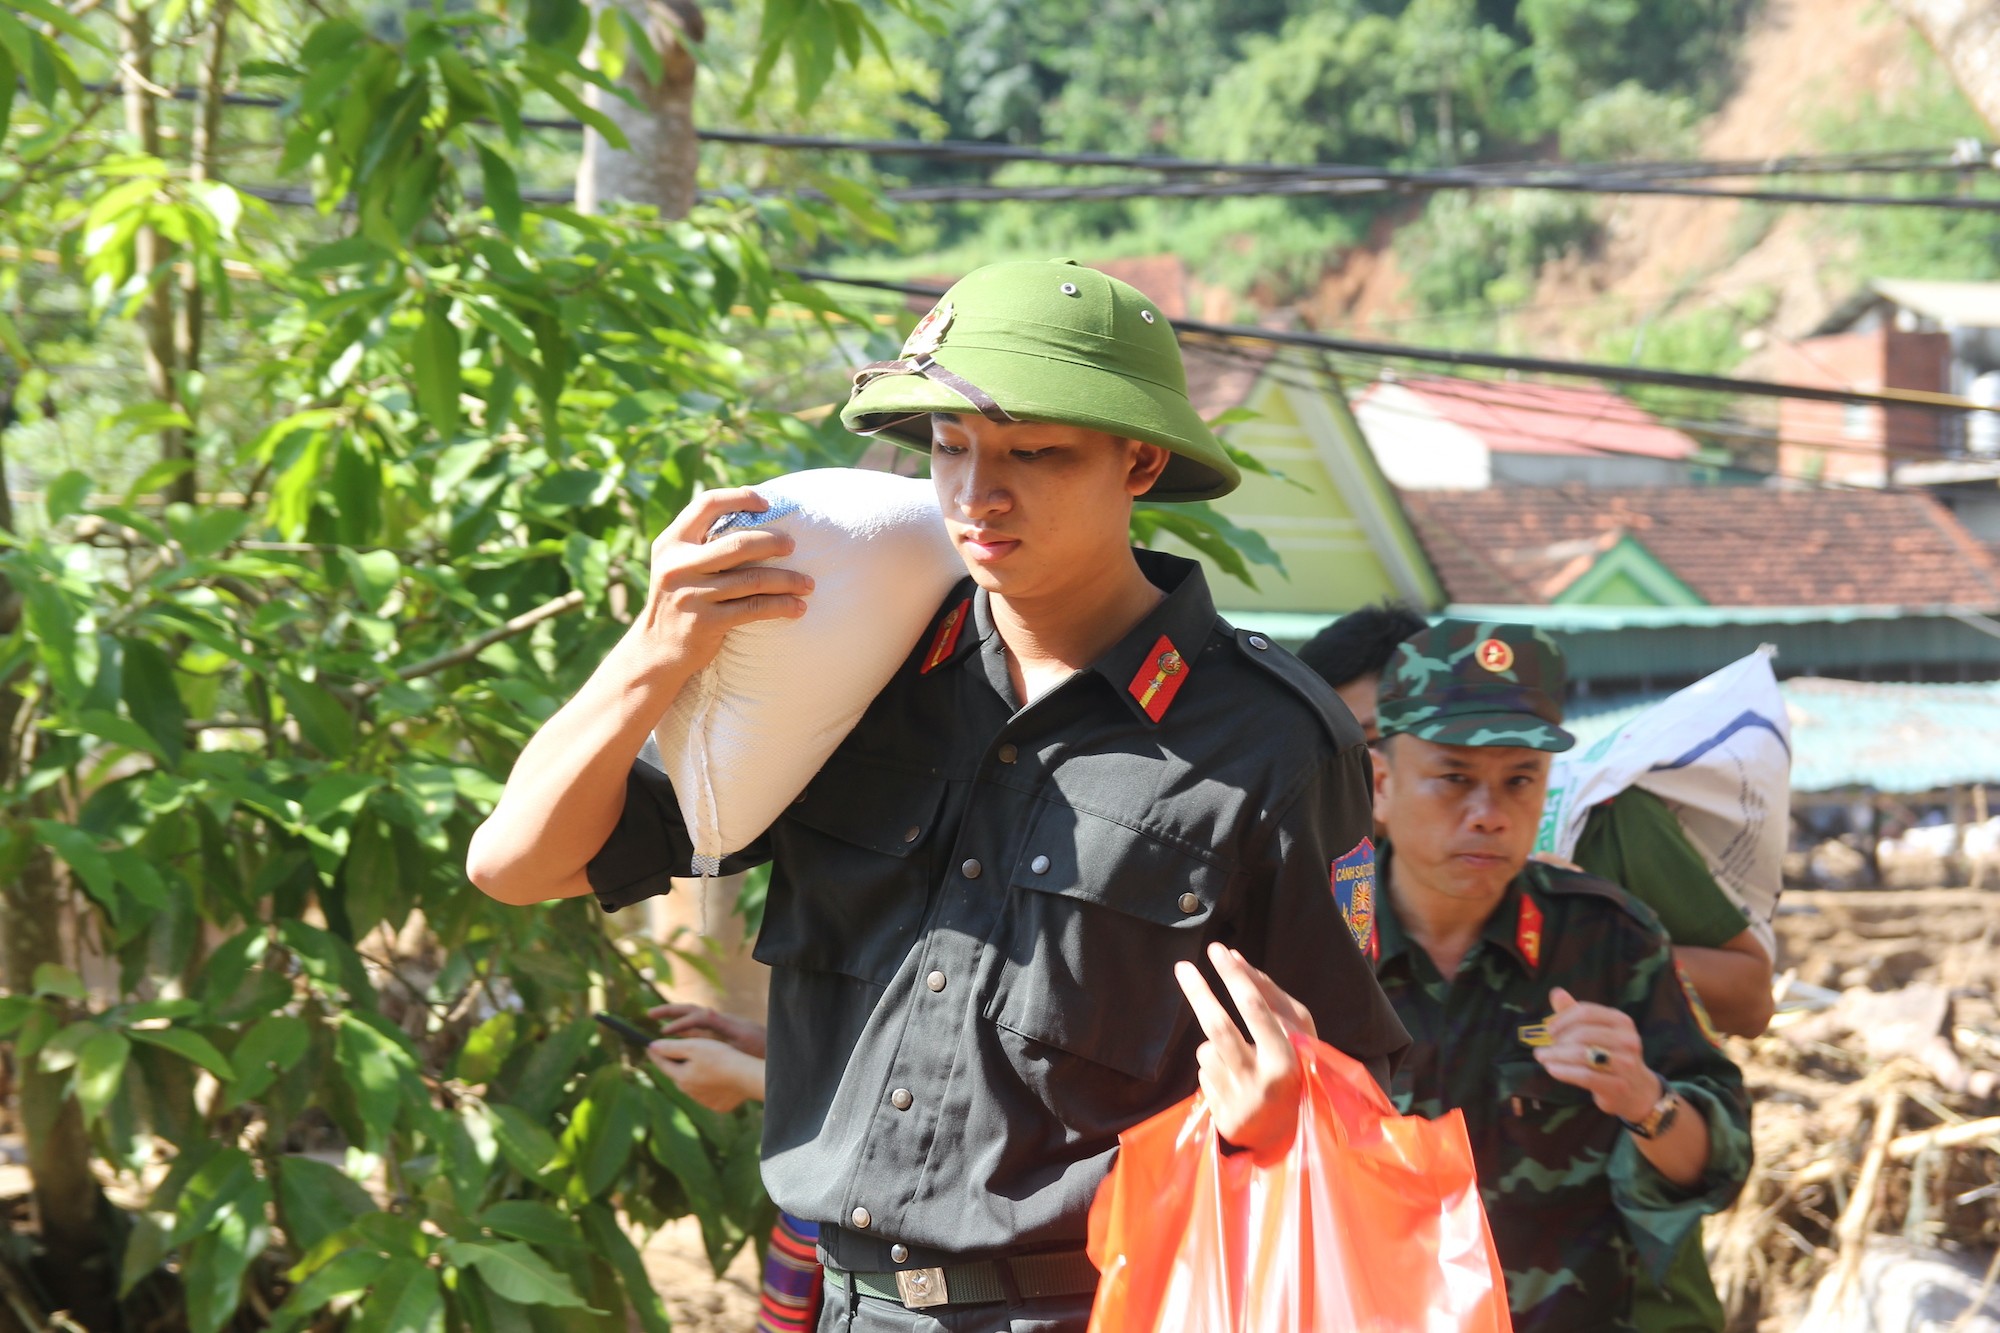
(1596, 1048)
(1252, 1085)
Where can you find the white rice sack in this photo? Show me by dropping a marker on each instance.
(748, 733)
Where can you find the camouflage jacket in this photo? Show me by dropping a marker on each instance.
(1575, 1208)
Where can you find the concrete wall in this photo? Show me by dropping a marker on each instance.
(1588, 470)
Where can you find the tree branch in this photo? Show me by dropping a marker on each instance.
(520, 624)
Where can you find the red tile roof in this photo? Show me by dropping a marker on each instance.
(1522, 418)
(1734, 545)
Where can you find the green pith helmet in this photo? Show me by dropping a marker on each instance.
(1047, 341)
(1462, 682)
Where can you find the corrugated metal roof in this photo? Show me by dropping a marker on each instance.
(1970, 304)
(1845, 733)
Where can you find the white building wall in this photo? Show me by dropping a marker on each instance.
(1417, 449)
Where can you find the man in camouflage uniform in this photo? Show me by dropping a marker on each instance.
(1542, 1003)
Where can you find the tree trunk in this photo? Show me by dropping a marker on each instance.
(192, 315)
(1966, 35)
(76, 1254)
(658, 167)
(151, 251)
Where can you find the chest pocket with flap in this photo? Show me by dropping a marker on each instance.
(1097, 915)
(851, 870)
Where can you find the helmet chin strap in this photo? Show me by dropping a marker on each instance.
(931, 370)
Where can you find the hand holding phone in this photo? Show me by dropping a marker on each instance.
(633, 1034)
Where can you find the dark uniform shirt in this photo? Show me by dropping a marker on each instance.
(976, 907)
(1575, 1207)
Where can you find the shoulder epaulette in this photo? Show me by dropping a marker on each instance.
(1581, 884)
(1302, 681)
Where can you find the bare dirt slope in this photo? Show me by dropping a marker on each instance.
(1800, 62)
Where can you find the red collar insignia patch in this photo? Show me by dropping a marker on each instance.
(1354, 892)
(945, 641)
(1528, 933)
(1160, 679)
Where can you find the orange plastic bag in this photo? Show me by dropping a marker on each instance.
(1370, 1223)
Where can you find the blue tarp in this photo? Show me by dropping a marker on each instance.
(1845, 733)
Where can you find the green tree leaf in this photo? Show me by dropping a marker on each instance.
(348, 1273)
(533, 1221)
(516, 1273)
(326, 725)
(434, 361)
(610, 1241)
(66, 494)
(272, 1046)
(370, 1064)
(191, 1046)
(405, 1298)
(153, 699)
(100, 1064)
(528, 1147)
(486, 1047)
(317, 1199)
(81, 852)
(502, 189)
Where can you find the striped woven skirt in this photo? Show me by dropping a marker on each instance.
(792, 1278)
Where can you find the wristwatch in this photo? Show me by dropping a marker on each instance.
(1660, 1117)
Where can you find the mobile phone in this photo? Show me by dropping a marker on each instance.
(631, 1032)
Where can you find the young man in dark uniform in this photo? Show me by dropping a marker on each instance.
(984, 908)
(1543, 1003)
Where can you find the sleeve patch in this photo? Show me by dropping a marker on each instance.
(1354, 891)
(1701, 1017)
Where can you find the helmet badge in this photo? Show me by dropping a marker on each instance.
(1495, 655)
(928, 336)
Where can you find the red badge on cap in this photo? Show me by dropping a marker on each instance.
(946, 638)
(1160, 679)
(1495, 655)
(1528, 933)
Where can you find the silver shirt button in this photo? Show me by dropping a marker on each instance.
(900, 1253)
(912, 833)
(1008, 754)
(901, 1099)
(1190, 904)
(1040, 865)
(1259, 642)
(971, 869)
(860, 1219)
(935, 981)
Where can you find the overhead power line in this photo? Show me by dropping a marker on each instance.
(1306, 179)
(1531, 365)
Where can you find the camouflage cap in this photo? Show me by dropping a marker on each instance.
(1464, 682)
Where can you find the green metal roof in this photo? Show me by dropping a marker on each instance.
(1631, 643)
(1576, 619)
(1845, 733)
(1581, 619)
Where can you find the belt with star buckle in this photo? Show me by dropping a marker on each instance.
(1061, 1273)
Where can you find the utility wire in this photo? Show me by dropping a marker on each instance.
(1337, 179)
(1533, 365)
(1275, 366)
(1959, 158)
